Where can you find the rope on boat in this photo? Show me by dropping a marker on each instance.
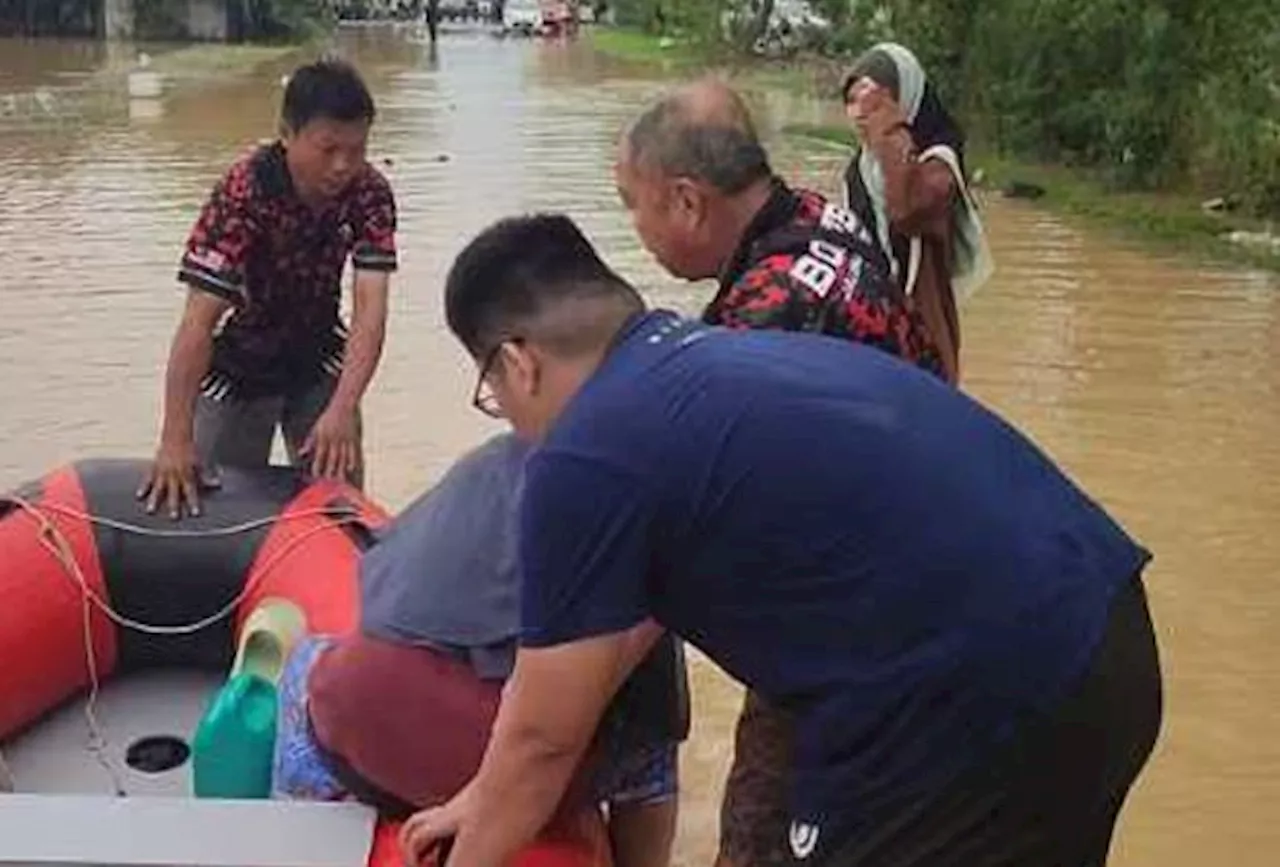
(179, 532)
(6, 776)
(55, 542)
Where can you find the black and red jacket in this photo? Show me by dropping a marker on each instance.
(807, 264)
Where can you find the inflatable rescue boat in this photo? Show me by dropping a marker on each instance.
(119, 630)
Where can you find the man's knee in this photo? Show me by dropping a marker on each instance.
(408, 725)
(412, 722)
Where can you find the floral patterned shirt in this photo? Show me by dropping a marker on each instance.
(280, 262)
(806, 264)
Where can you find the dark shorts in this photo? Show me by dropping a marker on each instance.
(1050, 797)
(299, 769)
(753, 814)
(239, 432)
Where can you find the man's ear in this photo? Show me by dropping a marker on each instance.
(522, 367)
(688, 201)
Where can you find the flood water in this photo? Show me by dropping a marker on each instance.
(1153, 381)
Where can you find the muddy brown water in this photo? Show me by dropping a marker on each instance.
(1153, 381)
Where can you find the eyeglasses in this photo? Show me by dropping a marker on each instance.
(483, 398)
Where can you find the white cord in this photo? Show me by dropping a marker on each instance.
(178, 532)
(6, 776)
(56, 543)
(53, 541)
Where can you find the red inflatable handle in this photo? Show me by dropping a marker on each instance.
(585, 844)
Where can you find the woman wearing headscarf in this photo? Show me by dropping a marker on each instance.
(908, 183)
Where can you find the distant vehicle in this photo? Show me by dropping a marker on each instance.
(558, 17)
(522, 16)
(465, 10)
(453, 10)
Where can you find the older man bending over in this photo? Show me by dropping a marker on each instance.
(399, 714)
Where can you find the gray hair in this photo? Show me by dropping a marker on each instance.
(703, 132)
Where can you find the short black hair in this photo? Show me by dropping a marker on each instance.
(535, 276)
(327, 88)
(727, 155)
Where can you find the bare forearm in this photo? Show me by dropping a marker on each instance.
(364, 351)
(917, 194)
(364, 345)
(189, 358)
(896, 154)
(530, 766)
(551, 707)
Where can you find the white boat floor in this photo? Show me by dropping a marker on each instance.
(60, 784)
(54, 756)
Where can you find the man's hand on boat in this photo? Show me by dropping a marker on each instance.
(333, 444)
(174, 481)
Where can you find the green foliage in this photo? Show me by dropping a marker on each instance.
(1153, 94)
(1170, 220)
(260, 20)
(292, 19)
(160, 19)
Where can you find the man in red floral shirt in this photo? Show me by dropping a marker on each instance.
(707, 204)
(269, 249)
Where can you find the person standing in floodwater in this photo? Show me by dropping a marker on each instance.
(269, 247)
(908, 183)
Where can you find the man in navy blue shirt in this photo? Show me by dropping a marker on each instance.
(959, 632)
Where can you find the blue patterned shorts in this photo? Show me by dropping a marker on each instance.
(629, 775)
(298, 769)
(639, 776)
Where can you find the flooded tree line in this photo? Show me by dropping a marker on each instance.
(1156, 94)
(1153, 94)
(168, 19)
(50, 17)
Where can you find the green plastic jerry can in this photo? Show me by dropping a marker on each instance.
(232, 750)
